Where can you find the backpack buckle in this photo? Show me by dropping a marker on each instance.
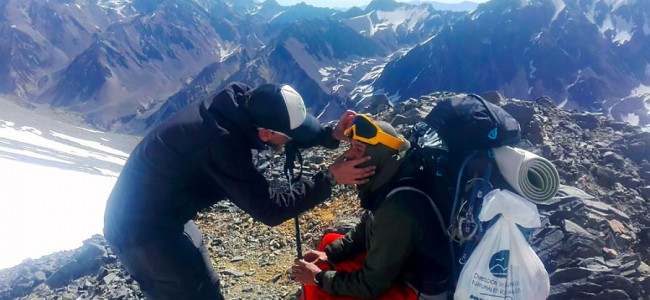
(467, 229)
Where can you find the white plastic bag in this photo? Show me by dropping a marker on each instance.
(503, 265)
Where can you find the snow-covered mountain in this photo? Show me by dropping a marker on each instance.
(395, 24)
(460, 6)
(118, 61)
(128, 64)
(316, 56)
(584, 54)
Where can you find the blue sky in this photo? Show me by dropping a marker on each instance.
(350, 3)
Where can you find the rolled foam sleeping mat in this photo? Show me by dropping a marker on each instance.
(533, 177)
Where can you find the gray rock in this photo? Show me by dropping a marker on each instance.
(233, 272)
(618, 283)
(536, 133)
(237, 259)
(521, 112)
(637, 150)
(109, 278)
(573, 228)
(586, 120)
(613, 158)
(645, 192)
(570, 290)
(493, 97)
(604, 207)
(605, 176)
(39, 276)
(569, 274)
(644, 282)
(378, 103)
(545, 101)
(611, 295)
(410, 117)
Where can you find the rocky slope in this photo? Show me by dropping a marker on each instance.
(594, 240)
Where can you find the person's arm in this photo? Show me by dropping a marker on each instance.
(395, 233)
(325, 138)
(230, 170)
(353, 243)
(330, 137)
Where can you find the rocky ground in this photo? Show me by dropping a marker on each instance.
(594, 240)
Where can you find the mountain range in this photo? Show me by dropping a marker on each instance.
(127, 65)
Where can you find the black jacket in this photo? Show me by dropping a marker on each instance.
(200, 156)
(403, 241)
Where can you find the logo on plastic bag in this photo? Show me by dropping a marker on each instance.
(499, 264)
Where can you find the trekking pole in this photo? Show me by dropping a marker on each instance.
(298, 243)
(291, 154)
(299, 251)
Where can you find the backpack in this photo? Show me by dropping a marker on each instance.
(451, 157)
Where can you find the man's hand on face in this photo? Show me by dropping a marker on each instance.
(304, 272)
(343, 124)
(345, 168)
(347, 172)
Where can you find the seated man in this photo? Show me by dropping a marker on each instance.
(398, 250)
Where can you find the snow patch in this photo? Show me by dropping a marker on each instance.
(32, 154)
(90, 144)
(531, 75)
(117, 5)
(53, 198)
(559, 7)
(324, 110)
(277, 15)
(48, 209)
(640, 90)
(631, 118)
(617, 4)
(621, 28)
(226, 53)
(622, 37)
(323, 71)
(428, 40)
(607, 25)
(392, 19)
(31, 136)
(414, 79)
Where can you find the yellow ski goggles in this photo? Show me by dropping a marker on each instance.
(365, 130)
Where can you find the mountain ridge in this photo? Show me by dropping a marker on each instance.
(117, 62)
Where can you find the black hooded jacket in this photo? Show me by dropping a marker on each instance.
(198, 157)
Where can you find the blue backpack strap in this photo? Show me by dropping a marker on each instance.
(452, 217)
(478, 191)
(476, 202)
